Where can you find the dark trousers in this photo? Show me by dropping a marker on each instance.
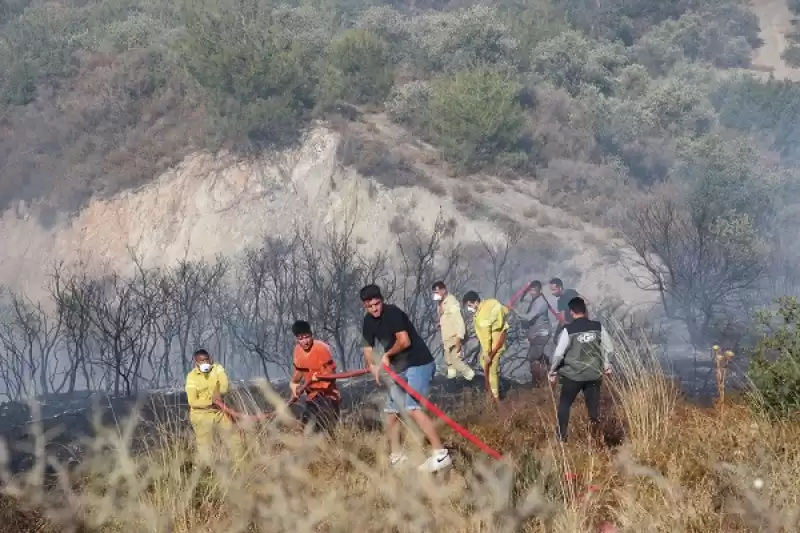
(569, 392)
(322, 413)
(536, 353)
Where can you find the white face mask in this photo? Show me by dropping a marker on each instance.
(437, 297)
(470, 309)
(205, 368)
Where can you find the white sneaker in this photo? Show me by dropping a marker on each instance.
(451, 372)
(469, 374)
(439, 460)
(397, 459)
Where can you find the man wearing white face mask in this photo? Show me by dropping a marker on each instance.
(453, 330)
(206, 384)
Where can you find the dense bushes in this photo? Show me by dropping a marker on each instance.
(258, 80)
(768, 109)
(252, 74)
(358, 69)
(475, 116)
(775, 369)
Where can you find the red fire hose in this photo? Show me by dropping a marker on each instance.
(397, 379)
(446, 419)
(266, 416)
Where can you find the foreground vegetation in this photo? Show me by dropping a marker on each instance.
(668, 466)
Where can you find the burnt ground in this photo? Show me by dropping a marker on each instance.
(69, 421)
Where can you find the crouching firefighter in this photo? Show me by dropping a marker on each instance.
(491, 328)
(205, 385)
(312, 359)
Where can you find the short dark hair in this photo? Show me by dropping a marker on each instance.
(201, 351)
(535, 284)
(438, 285)
(577, 306)
(557, 282)
(301, 327)
(470, 297)
(370, 292)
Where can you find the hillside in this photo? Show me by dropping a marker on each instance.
(619, 145)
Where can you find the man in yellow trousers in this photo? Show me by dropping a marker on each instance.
(206, 384)
(491, 328)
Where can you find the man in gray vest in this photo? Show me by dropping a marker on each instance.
(581, 360)
(536, 321)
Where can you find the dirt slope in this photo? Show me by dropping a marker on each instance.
(209, 205)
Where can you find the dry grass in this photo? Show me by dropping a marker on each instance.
(679, 468)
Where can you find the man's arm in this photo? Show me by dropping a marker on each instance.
(401, 342)
(530, 314)
(561, 350)
(222, 381)
(296, 375)
(328, 365)
(608, 348)
(499, 324)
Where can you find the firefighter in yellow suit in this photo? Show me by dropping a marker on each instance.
(491, 328)
(205, 384)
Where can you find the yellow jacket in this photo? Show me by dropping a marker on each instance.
(200, 387)
(450, 319)
(490, 321)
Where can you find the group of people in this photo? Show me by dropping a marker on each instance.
(580, 359)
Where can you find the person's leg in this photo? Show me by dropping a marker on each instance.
(392, 422)
(537, 358)
(449, 359)
(326, 414)
(591, 395)
(419, 379)
(457, 364)
(494, 375)
(231, 436)
(569, 391)
(313, 414)
(203, 426)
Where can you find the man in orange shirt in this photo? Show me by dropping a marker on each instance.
(312, 358)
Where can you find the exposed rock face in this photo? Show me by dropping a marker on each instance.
(211, 205)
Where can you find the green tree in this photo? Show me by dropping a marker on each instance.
(358, 69)
(476, 116)
(775, 368)
(572, 61)
(259, 82)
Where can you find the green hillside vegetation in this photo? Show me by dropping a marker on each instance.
(99, 96)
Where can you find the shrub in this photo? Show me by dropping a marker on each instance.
(775, 368)
(38, 48)
(358, 69)
(678, 109)
(723, 36)
(460, 40)
(771, 107)
(572, 61)
(792, 55)
(259, 82)
(475, 116)
(409, 104)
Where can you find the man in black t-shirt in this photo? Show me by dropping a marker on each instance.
(406, 354)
